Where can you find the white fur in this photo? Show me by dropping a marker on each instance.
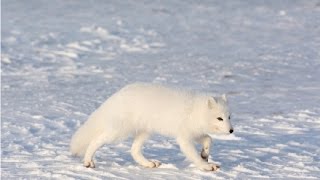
(141, 109)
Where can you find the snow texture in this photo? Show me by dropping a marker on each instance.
(61, 59)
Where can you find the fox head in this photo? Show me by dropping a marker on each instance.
(218, 115)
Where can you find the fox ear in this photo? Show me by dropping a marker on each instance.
(224, 97)
(211, 102)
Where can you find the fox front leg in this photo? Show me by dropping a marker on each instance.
(189, 150)
(205, 141)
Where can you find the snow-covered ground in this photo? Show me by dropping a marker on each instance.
(61, 59)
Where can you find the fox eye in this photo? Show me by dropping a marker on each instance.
(229, 117)
(220, 119)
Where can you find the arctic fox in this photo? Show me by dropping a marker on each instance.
(140, 109)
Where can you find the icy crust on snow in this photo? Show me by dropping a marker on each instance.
(61, 59)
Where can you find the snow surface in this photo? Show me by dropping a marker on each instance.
(61, 59)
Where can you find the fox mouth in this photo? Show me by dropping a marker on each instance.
(217, 130)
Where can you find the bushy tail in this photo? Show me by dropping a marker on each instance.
(84, 135)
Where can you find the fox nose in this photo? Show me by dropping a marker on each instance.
(231, 131)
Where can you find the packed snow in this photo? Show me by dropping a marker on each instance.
(61, 59)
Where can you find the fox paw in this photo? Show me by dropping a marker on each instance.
(209, 167)
(89, 164)
(153, 164)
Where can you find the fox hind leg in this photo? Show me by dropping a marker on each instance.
(136, 151)
(94, 145)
